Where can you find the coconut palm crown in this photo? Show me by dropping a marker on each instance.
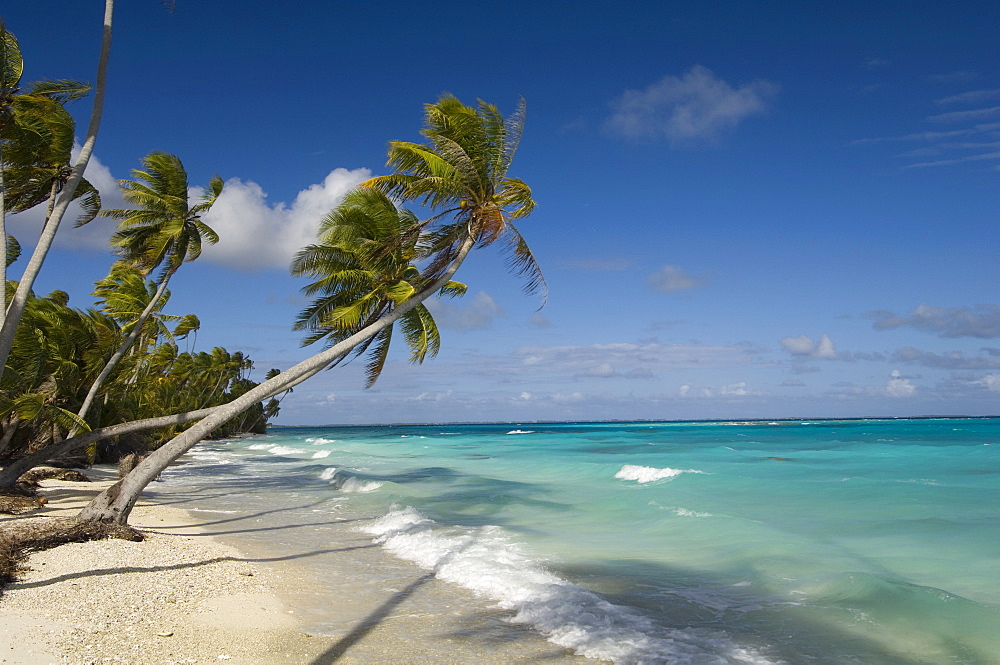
(362, 268)
(461, 171)
(163, 230)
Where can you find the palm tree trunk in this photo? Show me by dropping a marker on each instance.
(120, 353)
(18, 303)
(10, 473)
(9, 429)
(3, 250)
(115, 503)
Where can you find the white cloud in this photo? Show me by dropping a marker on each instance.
(475, 315)
(26, 226)
(671, 279)
(738, 388)
(966, 116)
(694, 107)
(254, 234)
(982, 321)
(539, 320)
(825, 348)
(604, 371)
(990, 382)
(576, 360)
(806, 347)
(971, 97)
(899, 386)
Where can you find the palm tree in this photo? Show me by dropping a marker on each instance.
(36, 140)
(50, 359)
(11, 68)
(66, 195)
(463, 170)
(363, 269)
(164, 231)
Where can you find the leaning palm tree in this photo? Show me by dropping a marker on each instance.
(163, 231)
(66, 194)
(463, 169)
(362, 269)
(36, 140)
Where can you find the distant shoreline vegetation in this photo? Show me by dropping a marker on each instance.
(641, 421)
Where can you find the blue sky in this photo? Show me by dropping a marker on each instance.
(745, 210)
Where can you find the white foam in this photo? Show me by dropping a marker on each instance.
(275, 449)
(648, 474)
(684, 512)
(485, 560)
(356, 485)
(348, 483)
(521, 431)
(285, 450)
(319, 441)
(320, 454)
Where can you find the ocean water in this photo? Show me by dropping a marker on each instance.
(874, 542)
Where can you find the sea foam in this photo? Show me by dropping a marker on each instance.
(348, 483)
(647, 474)
(486, 560)
(275, 449)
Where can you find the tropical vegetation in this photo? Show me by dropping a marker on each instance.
(85, 380)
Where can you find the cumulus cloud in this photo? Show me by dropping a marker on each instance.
(899, 386)
(805, 347)
(254, 233)
(691, 108)
(477, 314)
(982, 321)
(671, 279)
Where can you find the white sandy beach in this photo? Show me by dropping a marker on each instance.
(183, 597)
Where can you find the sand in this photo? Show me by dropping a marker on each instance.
(183, 596)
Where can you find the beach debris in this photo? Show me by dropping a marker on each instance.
(129, 462)
(52, 473)
(165, 633)
(16, 540)
(13, 504)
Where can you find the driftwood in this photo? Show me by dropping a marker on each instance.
(52, 473)
(21, 537)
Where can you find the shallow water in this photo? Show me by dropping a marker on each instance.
(860, 541)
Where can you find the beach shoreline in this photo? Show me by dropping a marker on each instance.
(185, 596)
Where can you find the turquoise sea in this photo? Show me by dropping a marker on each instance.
(828, 541)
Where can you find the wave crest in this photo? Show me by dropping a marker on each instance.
(648, 474)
